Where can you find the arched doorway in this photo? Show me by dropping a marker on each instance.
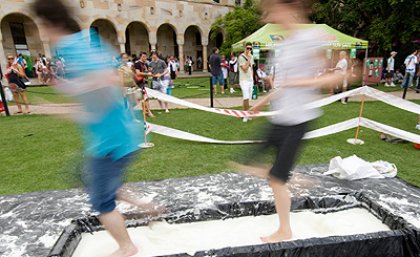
(106, 30)
(193, 46)
(137, 38)
(215, 41)
(21, 35)
(166, 40)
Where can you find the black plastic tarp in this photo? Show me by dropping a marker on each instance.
(401, 240)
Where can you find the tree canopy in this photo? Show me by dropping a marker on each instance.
(386, 24)
(238, 24)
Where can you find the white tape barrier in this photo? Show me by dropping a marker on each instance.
(329, 130)
(408, 136)
(368, 91)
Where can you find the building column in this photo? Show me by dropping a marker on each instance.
(181, 58)
(47, 48)
(205, 58)
(153, 47)
(122, 47)
(3, 60)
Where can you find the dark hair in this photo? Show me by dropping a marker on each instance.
(215, 49)
(55, 13)
(154, 53)
(248, 44)
(143, 53)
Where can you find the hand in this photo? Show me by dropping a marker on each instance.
(157, 75)
(149, 74)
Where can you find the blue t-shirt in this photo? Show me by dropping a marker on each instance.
(112, 131)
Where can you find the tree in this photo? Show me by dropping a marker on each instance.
(387, 24)
(238, 24)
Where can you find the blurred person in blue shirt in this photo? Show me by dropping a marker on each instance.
(112, 136)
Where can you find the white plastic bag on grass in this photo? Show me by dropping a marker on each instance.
(387, 169)
(8, 95)
(352, 168)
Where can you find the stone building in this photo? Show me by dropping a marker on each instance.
(172, 27)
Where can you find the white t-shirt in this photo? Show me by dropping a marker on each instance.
(410, 62)
(224, 70)
(297, 57)
(245, 76)
(391, 64)
(342, 65)
(234, 62)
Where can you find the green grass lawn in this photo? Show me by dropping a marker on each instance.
(184, 88)
(42, 152)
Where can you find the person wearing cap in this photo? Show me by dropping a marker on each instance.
(389, 77)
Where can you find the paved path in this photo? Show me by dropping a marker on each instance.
(225, 102)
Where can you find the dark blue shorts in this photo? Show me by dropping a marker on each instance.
(104, 180)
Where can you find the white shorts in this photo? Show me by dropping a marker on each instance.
(160, 85)
(246, 87)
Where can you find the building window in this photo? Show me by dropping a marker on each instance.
(18, 33)
(238, 2)
(216, 1)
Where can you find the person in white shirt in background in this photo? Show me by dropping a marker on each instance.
(224, 65)
(246, 74)
(389, 77)
(233, 72)
(410, 68)
(341, 68)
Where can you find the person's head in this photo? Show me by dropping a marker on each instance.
(343, 55)
(155, 56)
(286, 12)
(143, 56)
(223, 58)
(232, 56)
(248, 47)
(10, 59)
(171, 58)
(215, 50)
(393, 54)
(124, 58)
(56, 17)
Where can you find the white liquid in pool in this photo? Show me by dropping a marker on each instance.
(161, 238)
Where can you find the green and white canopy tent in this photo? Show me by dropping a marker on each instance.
(271, 35)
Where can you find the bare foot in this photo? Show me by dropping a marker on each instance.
(125, 252)
(277, 236)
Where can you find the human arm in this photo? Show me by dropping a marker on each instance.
(244, 64)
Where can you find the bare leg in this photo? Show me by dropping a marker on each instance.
(246, 104)
(25, 101)
(215, 89)
(261, 171)
(114, 223)
(160, 104)
(17, 101)
(149, 207)
(283, 203)
(166, 107)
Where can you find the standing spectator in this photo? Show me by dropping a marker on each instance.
(410, 68)
(14, 73)
(141, 70)
(246, 63)
(389, 77)
(225, 66)
(189, 64)
(233, 72)
(173, 68)
(341, 68)
(40, 68)
(216, 71)
(199, 63)
(159, 70)
(22, 62)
